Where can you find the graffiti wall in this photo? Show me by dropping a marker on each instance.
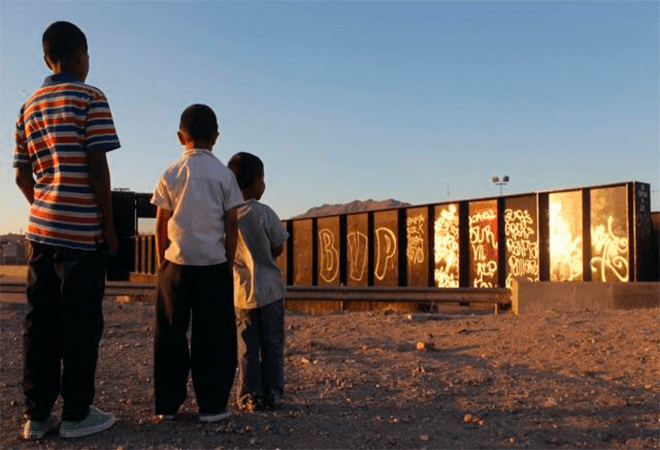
(446, 246)
(566, 245)
(610, 252)
(328, 251)
(522, 238)
(417, 245)
(483, 244)
(357, 248)
(302, 247)
(386, 248)
(599, 233)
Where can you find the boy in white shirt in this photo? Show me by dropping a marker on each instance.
(258, 291)
(196, 237)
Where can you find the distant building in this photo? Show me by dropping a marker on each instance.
(13, 249)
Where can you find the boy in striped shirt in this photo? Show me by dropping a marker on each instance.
(62, 135)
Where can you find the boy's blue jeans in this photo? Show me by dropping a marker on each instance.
(260, 350)
(63, 328)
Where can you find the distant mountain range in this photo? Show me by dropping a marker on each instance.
(354, 206)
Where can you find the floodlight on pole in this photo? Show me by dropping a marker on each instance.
(500, 183)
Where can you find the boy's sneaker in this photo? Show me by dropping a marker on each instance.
(95, 422)
(34, 430)
(273, 399)
(214, 417)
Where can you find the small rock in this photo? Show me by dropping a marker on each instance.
(550, 402)
(425, 346)
(424, 437)
(469, 418)
(416, 318)
(418, 370)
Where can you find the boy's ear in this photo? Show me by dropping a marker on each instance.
(48, 62)
(214, 139)
(182, 137)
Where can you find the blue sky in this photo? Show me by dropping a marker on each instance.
(416, 101)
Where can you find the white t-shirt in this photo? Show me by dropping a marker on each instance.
(197, 189)
(257, 277)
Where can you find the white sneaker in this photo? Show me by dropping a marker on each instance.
(38, 430)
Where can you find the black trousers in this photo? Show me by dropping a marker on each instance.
(260, 350)
(207, 293)
(63, 328)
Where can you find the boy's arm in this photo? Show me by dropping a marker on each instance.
(99, 174)
(162, 239)
(231, 235)
(25, 182)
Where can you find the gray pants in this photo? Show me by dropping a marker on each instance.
(260, 334)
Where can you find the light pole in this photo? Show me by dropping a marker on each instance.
(496, 181)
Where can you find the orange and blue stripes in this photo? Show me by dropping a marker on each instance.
(57, 127)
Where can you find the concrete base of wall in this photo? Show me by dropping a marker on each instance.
(529, 297)
(143, 278)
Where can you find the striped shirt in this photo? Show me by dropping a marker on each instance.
(57, 127)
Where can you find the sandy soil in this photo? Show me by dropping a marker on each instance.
(358, 380)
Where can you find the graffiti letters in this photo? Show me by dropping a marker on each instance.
(415, 249)
(385, 251)
(329, 256)
(357, 254)
(610, 253)
(446, 248)
(483, 241)
(521, 245)
(486, 273)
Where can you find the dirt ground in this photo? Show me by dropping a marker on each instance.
(357, 380)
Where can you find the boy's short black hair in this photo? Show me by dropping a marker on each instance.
(62, 40)
(200, 122)
(246, 167)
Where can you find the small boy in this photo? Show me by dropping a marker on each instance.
(196, 237)
(258, 291)
(62, 135)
